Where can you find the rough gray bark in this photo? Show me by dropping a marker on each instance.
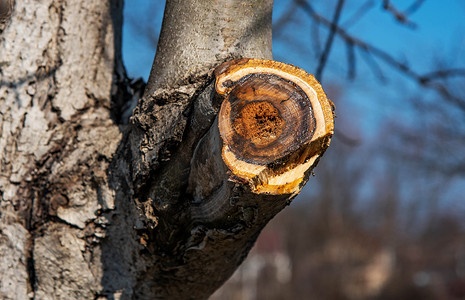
(91, 208)
(6, 9)
(198, 35)
(57, 61)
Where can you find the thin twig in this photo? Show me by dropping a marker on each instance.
(359, 14)
(316, 41)
(373, 65)
(348, 140)
(414, 7)
(401, 17)
(285, 18)
(332, 31)
(351, 65)
(445, 73)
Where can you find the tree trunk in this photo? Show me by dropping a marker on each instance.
(167, 206)
(60, 66)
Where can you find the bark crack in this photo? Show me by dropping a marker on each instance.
(30, 266)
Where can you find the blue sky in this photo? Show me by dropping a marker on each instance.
(440, 25)
(438, 37)
(366, 102)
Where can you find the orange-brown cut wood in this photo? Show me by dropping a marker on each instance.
(275, 123)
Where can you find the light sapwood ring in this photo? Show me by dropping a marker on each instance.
(275, 122)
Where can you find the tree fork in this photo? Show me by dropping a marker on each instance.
(273, 125)
(193, 186)
(91, 208)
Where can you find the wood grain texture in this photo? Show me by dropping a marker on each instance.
(275, 123)
(265, 118)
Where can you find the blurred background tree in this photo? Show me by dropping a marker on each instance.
(384, 217)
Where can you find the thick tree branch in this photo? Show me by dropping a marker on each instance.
(196, 35)
(274, 124)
